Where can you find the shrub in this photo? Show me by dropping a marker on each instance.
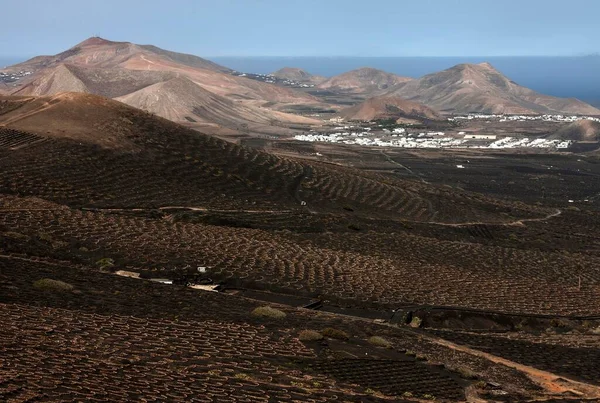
(481, 384)
(47, 284)
(105, 262)
(379, 342)
(335, 334)
(268, 312)
(45, 237)
(416, 322)
(466, 373)
(310, 335)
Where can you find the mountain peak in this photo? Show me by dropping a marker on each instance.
(94, 41)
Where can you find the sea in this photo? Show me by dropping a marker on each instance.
(577, 77)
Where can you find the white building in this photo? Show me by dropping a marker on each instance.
(480, 136)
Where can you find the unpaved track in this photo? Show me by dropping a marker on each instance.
(520, 222)
(552, 383)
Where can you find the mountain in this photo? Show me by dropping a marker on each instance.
(179, 99)
(582, 130)
(118, 69)
(298, 75)
(365, 80)
(100, 52)
(481, 88)
(389, 107)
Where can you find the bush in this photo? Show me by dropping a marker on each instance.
(47, 284)
(466, 373)
(105, 262)
(268, 312)
(335, 334)
(379, 342)
(310, 335)
(45, 237)
(416, 322)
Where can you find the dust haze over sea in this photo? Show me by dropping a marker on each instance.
(576, 77)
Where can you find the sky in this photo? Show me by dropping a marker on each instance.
(308, 27)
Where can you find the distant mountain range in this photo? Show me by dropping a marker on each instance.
(195, 91)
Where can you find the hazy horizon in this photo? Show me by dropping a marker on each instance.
(269, 28)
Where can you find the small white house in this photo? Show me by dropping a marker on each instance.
(480, 136)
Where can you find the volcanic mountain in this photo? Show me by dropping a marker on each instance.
(117, 69)
(481, 88)
(367, 81)
(389, 107)
(299, 75)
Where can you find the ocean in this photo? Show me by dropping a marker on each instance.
(7, 61)
(577, 77)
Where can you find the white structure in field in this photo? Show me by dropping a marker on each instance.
(480, 136)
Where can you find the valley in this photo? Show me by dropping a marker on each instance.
(174, 230)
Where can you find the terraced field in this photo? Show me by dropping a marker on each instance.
(147, 162)
(110, 330)
(101, 188)
(12, 139)
(409, 270)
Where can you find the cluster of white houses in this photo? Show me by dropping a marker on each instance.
(271, 79)
(402, 139)
(13, 76)
(523, 118)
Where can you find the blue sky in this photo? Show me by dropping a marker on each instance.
(308, 27)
